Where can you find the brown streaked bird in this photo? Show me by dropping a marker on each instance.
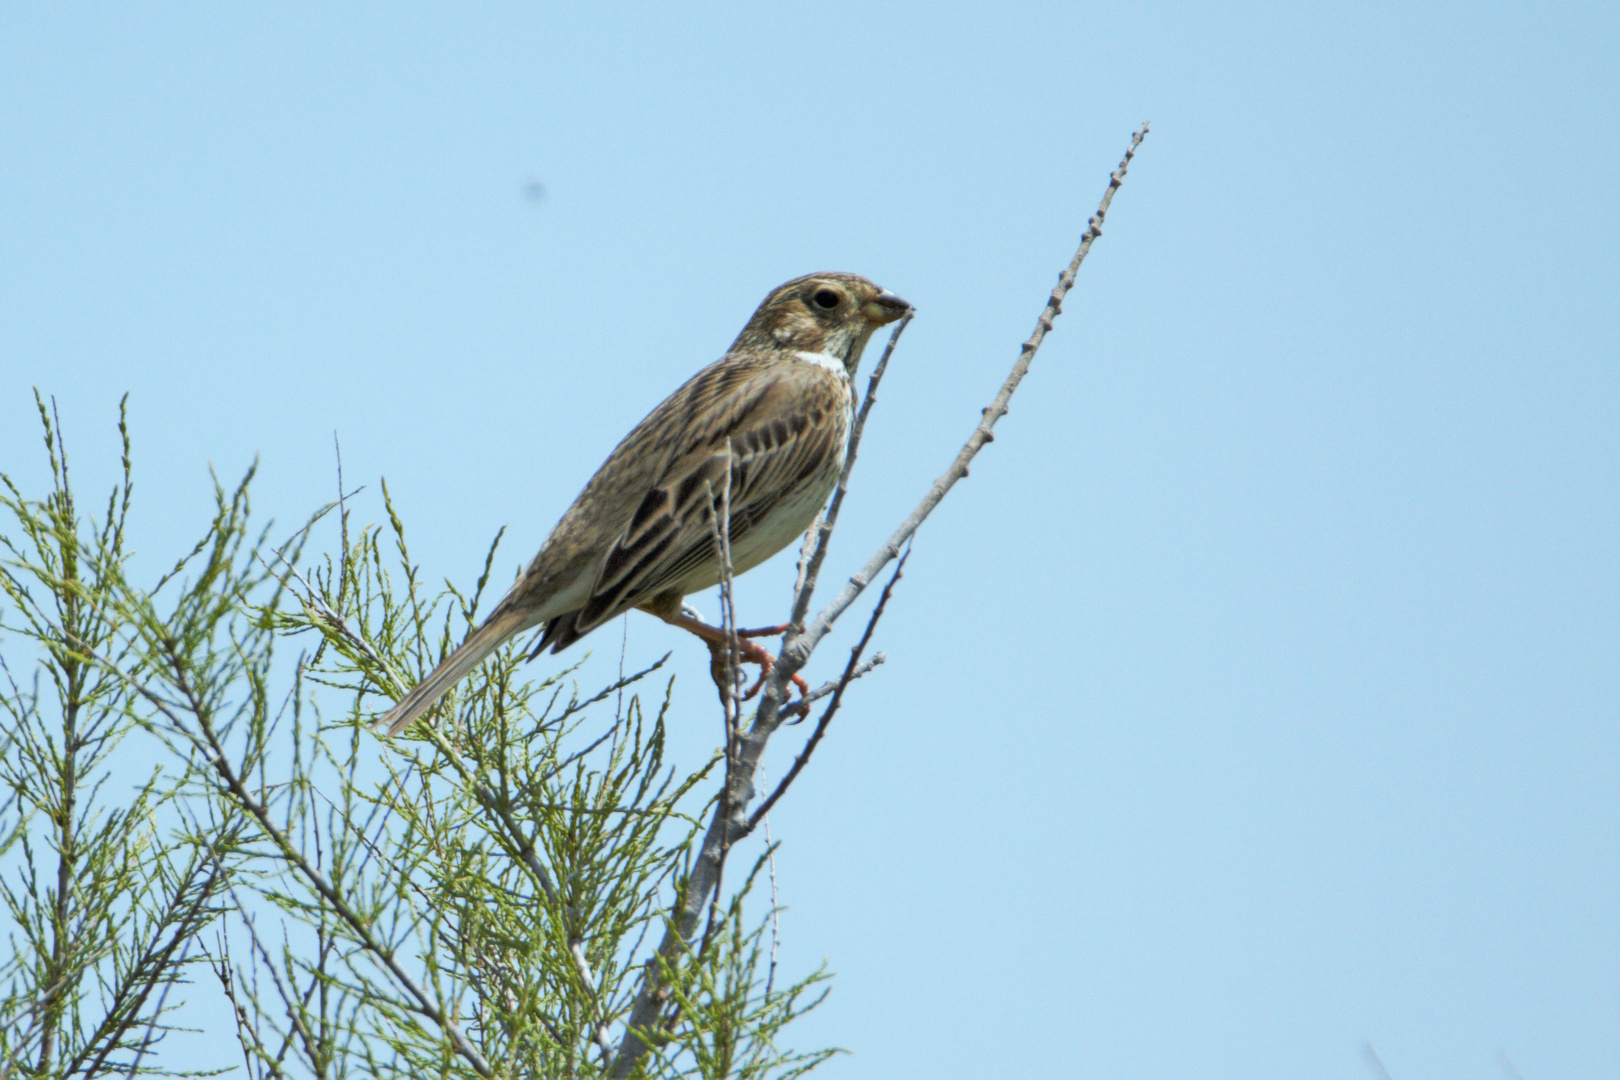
(775, 411)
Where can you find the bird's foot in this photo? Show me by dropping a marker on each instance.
(764, 673)
(801, 707)
(748, 652)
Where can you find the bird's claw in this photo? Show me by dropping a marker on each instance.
(750, 653)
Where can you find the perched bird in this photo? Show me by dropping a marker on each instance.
(774, 414)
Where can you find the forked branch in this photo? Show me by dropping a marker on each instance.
(798, 646)
(730, 821)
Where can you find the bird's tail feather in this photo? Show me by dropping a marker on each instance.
(451, 670)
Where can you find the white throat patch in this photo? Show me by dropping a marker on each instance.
(825, 360)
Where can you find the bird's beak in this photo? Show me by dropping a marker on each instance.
(884, 308)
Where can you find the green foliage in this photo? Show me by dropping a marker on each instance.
(477, 898)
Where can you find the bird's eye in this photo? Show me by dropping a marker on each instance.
(825, 299)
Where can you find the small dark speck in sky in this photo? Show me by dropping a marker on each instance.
(534, 191)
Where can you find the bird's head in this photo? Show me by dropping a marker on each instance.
(824, 313)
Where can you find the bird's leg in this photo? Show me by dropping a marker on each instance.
(748, 652)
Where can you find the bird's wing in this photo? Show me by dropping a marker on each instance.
(777, 423)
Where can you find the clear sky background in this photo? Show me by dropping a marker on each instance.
(1258, 693)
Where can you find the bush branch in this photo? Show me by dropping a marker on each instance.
(641, 1027)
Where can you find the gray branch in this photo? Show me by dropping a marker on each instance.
(729, 821)
(798, 647)
(810, 568)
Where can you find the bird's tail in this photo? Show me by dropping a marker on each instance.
(451, 670)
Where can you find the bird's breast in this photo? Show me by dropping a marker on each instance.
(794, 511)
(788, 521)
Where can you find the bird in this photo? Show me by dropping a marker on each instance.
(773, 415)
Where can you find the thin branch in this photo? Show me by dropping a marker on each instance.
(832, 706)
(1375, 1062)
(796, 649)
(336, 621)
(833, 684)
(184, 929)
(623, 681)
(245, 1028)
(343, 525)
(726, 674)
(810, 569)
(207, 742)
(519, 843)
(776, 907)
(524, 846)
(261, 955)
(640, 1026)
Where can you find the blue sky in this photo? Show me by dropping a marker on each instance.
(1255, 697)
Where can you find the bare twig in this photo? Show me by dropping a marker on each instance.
(830, 685)
(343, 525)
(726, 673)
(822, 530)
(577, 706)
(832, 706)
(776, 907)
(1374, 1062)
(640, 1027)
(246, 1030)
(797, 647)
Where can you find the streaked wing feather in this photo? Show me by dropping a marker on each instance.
(781, 432)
